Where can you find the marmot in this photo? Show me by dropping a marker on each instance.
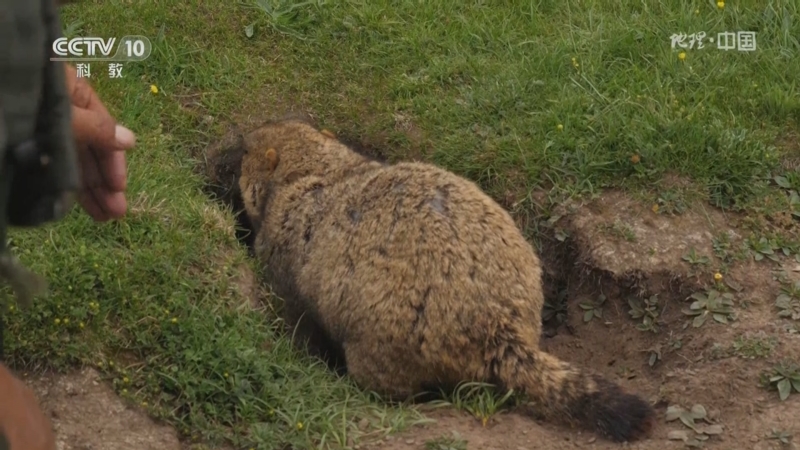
(416, 275)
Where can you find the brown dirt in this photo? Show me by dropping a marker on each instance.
(88, 415)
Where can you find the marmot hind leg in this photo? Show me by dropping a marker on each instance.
(383, 371)
(309, 335)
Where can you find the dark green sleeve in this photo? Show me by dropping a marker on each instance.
(54, 122)
(38, 164)
(42, 182)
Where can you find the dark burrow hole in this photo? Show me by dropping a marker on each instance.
(222, 170)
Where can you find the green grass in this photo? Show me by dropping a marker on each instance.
(514, 95)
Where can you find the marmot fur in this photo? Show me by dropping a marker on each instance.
(415, 274)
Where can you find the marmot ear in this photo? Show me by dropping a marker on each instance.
(272, 158)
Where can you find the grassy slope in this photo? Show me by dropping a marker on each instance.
(515, 95)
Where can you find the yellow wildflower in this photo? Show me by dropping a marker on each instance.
(718, 276)
(635, 159)
(299, 425)
(682, 56)
(655, 208)
(720, 4)
(560, 127)
(154, 89)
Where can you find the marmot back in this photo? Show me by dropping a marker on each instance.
(414, 274)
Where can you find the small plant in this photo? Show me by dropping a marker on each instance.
(454, 442)
(675, 343)
(752, 346)
(694, 259)
(671, 202)
(783, 437)
(654, 354)
(722, 245)
(688, 418)
(719, 351)
(646, 310)
(791, 183)
(789, 248)
(713, 304)
(764, 248)
(788, 301)
(593, 309)
(482, 400)
(784, 377)
(556, 309)
(619, 230)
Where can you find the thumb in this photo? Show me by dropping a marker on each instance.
(100, 131)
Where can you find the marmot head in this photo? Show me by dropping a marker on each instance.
(279, 153)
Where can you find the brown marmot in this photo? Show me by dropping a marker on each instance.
(415, 274)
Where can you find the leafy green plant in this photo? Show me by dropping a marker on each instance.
(454, 442)
(764, 248)
(593, 309)
(712, 304)
(694, 259)
(556, 309)
(689, 418)
(722, 245)
(654, 354)
(788, 301)
(619, 230)
(752, 346)
(783, 437)
(647, 311)
(784, 377)
(791, 183)
(671, 202)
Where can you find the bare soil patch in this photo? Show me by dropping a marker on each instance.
(88, 415)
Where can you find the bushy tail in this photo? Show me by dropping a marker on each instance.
(565, 394)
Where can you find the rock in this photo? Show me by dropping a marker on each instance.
(678, 435)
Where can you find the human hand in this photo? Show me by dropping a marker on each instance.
(101, 145)
(22, 422)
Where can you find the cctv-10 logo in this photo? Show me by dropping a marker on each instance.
(130, 48)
